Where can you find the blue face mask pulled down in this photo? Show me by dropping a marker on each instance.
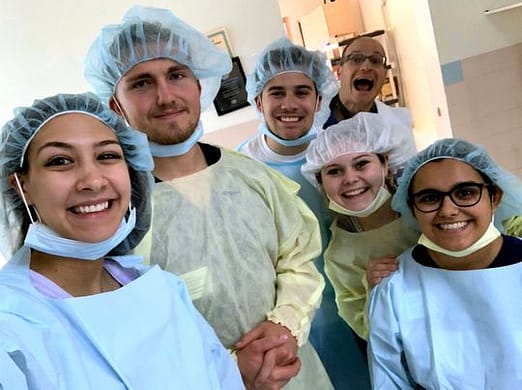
(289, 142)
(158, 150)
(41, 238)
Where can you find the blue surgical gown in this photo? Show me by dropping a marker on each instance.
(145, 335)
(443, 329)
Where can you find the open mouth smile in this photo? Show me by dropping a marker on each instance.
(352, 193)
(88, 209)
(363, 84)
(453, 226)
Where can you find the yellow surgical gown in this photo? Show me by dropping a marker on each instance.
(244, 242)
(346, 260)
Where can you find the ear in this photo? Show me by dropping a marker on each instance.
(259, 103)
(114, 106)
(20, 189)
(385, 163)
(318, 103)
(496, 197)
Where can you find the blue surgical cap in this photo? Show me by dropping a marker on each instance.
(282, 56)
(18, 133)
(148, 33)
(365, 132)
(474, 155)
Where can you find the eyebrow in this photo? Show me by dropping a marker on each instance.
(300, 86)
(453, 187)
(144, 75)
(360, 52)
(66, 145)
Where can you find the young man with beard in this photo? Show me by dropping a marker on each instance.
(232, 228)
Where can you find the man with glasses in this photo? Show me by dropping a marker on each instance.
(362, 73)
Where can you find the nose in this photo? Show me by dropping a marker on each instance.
(91, 178)
(447, 207)
(164, 92)
(349, 176)
(288, 103)
(367, 64)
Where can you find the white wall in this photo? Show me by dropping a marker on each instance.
(462, 29)
(409, 27)
(43, 43)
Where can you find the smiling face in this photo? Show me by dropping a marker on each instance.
(159, 97)
(452, 227)
(289, 102)
(361, 83)
(77, 178)
(353, 180)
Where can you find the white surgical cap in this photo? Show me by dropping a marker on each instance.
(148, 33)
(283, 56)
(364, 133)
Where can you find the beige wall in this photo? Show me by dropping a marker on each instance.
(486, 106)
(481, 56)
(44, 42)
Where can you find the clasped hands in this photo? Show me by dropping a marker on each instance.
(267, 357)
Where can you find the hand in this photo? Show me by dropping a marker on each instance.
(272, 377)
(260, 369)
(379, 268)
(286, 352)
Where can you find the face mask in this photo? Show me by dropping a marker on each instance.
(43, 239)
(488, 237)
(179, 149)
(381, 198)
(289, 142)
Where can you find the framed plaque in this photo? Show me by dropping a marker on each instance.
(232, 94)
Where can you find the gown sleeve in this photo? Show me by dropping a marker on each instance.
(299, 284)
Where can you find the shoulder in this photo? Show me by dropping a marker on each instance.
(401, 114)
(252, 146)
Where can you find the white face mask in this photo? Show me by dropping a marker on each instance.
(305, 138)
(380, 199)
(490, 235)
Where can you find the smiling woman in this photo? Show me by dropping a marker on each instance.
(75, 186)
(458, 196)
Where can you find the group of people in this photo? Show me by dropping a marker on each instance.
(324, 253)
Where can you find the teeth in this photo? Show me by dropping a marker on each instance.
(289, 119)
(92, 208)
(452, 226)
(354, 192)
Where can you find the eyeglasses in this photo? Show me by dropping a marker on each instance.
(359, 58)
(462, 195)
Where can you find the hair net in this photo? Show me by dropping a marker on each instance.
(283, 56)
(19, 132)
(148, 33)
(364, 132)
(478, 158)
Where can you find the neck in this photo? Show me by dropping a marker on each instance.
(284, 150)
(351, 106)
(77, 277)
(383, 216)
(168, 168)
(477, 260)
